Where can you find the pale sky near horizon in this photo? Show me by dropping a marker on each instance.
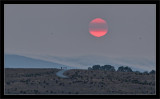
(62, 29)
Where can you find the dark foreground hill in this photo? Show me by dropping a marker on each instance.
(45, 81)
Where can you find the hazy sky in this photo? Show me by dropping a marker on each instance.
(62, 29)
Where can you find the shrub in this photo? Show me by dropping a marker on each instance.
(124, 69)
(152, 72)
(96, 67)
(108, 68)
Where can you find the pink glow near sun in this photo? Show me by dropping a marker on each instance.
(98, 27)
(98, 33)
(98, 20)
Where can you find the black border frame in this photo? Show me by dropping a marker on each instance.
(2, 2)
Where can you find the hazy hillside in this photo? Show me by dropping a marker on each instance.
(16, 61)
(45, 81)
(85, 61)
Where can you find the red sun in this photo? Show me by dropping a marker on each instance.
(98, 27)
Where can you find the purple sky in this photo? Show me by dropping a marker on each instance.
(63, 30)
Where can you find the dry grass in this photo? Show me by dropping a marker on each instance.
(44, 81)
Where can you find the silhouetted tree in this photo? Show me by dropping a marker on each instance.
(124, 69)
(96, 67)
(108, 68)
(152, 72)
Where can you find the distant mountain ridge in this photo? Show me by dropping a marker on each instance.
(75, 62)
(16, 61)
(86, 61)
